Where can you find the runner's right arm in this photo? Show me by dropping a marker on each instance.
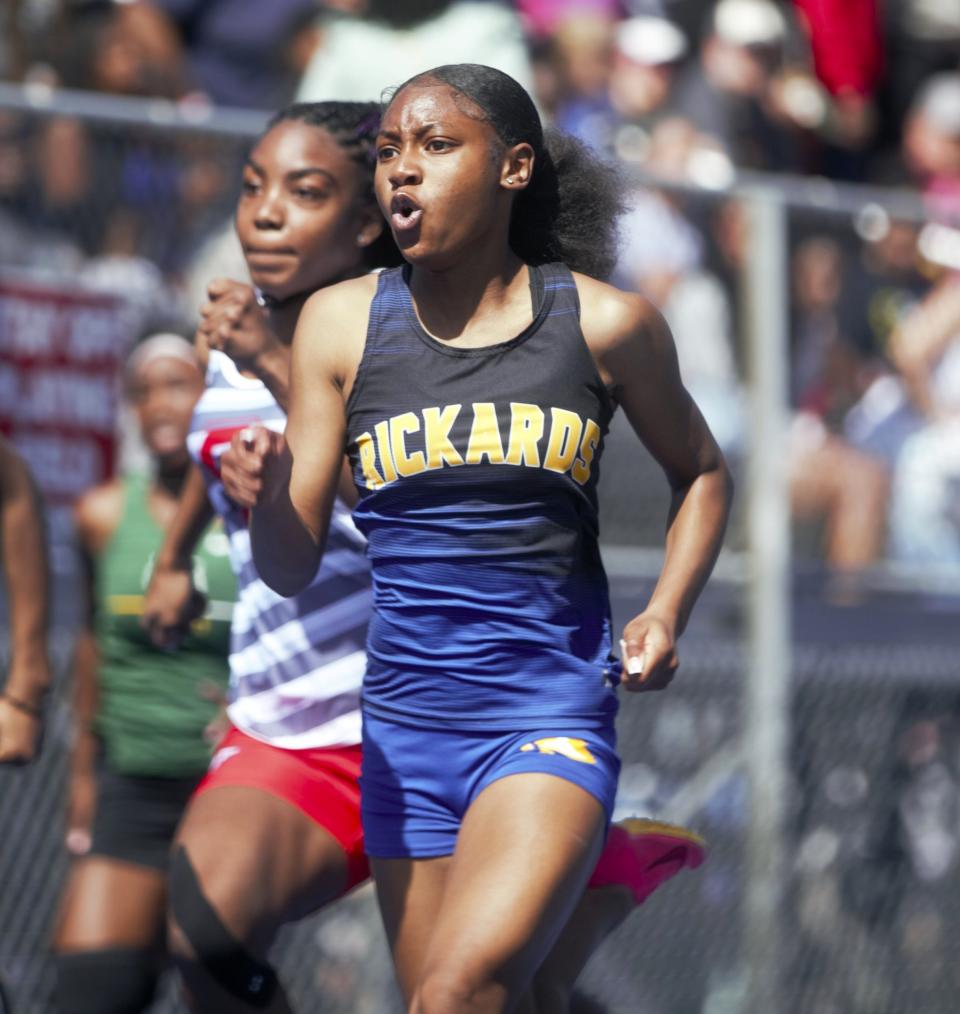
(172, 602)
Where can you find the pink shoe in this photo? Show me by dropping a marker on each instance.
(642, 854)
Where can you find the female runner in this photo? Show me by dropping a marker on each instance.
(472, 389)
(273, 832)
(287, 770)
(141, 714)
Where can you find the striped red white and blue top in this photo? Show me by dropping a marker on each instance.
(296, 664)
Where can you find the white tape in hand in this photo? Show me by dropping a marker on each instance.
(634, 665)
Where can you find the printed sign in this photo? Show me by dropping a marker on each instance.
(60, 356)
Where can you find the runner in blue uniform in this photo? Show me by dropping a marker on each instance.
(472, 390)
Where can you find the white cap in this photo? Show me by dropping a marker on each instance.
(749, 22)
(650, 40)
(939, 102)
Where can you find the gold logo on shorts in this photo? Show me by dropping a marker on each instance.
(573, 749)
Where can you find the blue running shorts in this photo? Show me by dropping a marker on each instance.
(416, 783)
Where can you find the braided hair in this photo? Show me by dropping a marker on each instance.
(354, 126)
(569, 210)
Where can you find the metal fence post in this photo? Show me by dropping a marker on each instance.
(766, 728)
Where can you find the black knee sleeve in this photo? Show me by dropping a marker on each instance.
(116, 981)
(6, 1007)
(216, 950)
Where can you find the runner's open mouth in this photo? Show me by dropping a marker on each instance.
(405, 213)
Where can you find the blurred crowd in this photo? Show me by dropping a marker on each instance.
(688, 92)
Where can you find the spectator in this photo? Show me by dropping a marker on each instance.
(923, 39)
(847, 46)
(101, 45)
(925, 510)
(24, 557)
(24, 239)
(362, 56)
(729, 94)
(662, 257)
(646, 54)
(832, 484)
(544, 18)
(931, 143)
(881, 288)
(581, 48)
(245, 53)
(847, 305)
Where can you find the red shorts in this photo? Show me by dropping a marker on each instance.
(322, 783)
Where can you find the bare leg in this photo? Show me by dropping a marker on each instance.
(470, 931)
(850, 489)
(109, 940)
(409, 893)
(109, 903)
(260, 863)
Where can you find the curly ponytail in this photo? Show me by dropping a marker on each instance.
(570, 209)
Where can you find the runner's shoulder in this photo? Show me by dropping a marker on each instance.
(611, 317)
(346, 302)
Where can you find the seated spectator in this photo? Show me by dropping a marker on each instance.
(833, 485)
(881, 288)
(661, 257)
(831, 482)
(925, 508)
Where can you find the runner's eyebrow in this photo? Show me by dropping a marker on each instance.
(294, 174)
(394, 134)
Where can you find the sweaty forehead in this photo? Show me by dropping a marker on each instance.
(431, 102)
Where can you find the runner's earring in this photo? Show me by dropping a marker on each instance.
(510, 179)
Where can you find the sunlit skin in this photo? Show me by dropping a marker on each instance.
(305, 218)
(163, 392)
(302, 215)
(435, 148)
(441, 164)
(467, 932)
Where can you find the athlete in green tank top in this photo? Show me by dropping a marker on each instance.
(140, 714)
(154, 705)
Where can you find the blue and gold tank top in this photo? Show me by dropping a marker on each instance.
(477, 470)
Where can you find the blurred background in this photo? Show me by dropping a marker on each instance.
(795, 214)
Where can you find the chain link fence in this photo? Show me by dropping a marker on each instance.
(859, 860)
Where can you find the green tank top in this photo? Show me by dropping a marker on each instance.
(153, 705)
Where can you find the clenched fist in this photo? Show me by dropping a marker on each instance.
(233, 322)
(244, 464)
